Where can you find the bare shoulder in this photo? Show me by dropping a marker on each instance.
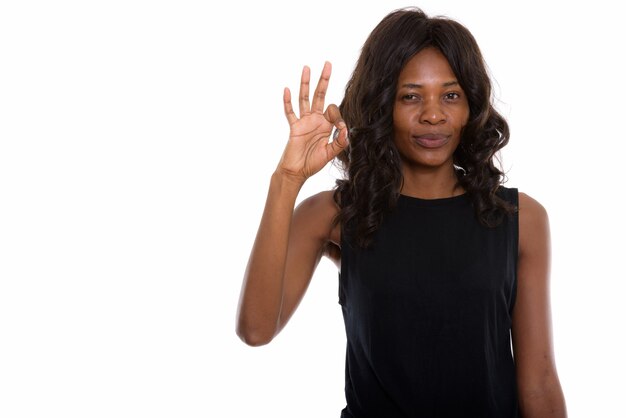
(533, 222)
(319, 212)
(530, 206)
(323, 201)
(531, 211)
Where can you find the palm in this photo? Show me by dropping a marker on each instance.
(308, 149)
(308, 138)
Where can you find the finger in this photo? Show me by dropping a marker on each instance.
(291, 116)
(320, 90)
(333, 115)
(305, 80)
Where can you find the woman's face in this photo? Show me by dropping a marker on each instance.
(430, 111)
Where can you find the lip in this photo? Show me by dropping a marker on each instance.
(432, 140)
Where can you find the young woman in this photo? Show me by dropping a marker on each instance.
(444, 272)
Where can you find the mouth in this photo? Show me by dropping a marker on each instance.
(431, 140)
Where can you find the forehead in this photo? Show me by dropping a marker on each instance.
(428, 64)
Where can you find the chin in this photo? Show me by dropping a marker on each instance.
(430, 161)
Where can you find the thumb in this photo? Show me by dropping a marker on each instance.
(339, 143)
(340, 136)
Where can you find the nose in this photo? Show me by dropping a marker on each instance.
(431, 113)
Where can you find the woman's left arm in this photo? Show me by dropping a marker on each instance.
(539, 389)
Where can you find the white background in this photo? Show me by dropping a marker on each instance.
(137, 139)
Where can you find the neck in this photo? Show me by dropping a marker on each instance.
(428, 183)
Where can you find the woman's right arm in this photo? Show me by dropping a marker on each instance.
(289, 243)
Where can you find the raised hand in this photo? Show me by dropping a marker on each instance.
(308, 149)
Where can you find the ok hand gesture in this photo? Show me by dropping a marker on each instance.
(308, 149)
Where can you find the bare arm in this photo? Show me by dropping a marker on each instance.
(289, 243)
(540, 393)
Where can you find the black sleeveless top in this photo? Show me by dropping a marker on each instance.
(427, 310)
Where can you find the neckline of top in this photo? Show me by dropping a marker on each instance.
(442, 201)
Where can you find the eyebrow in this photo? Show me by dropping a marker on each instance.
(419, 86)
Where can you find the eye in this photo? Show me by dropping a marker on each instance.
(452, 96)
(410, 97)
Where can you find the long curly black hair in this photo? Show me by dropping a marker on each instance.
(371, 164)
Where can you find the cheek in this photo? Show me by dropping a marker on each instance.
(461, 120)
(401, 121)
(465, 116)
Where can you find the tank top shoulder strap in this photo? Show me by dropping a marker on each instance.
(509, 194)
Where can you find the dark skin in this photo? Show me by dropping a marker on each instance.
(429, 112)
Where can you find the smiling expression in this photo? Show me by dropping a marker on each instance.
(430, 111)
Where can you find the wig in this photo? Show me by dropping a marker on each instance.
(371, 163)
